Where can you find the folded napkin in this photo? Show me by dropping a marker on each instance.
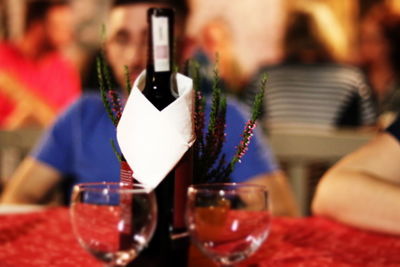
(153, 141)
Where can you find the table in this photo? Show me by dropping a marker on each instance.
(45, 238)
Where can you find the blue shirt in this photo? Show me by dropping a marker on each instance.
(79, 144)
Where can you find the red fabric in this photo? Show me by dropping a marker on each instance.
(46, 239)
(321, 242)
(41, 239)
(51, 78)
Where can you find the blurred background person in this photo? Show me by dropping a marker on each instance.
(36, 80)
(215, 47)
(311, 88)
(77, 148)
(380, 58)
(363, 189)
(242, 33)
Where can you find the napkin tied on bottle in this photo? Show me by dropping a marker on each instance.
(154, 141)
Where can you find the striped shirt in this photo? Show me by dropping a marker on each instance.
(314, 95)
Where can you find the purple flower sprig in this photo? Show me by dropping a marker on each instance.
(247, 134)
(209, 142)
(215, 136)
(210, 164)
(242, 148)
(193, 70)
(109, 96)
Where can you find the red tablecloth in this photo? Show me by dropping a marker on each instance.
(321, 242)
(45, 239)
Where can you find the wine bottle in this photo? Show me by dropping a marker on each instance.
(169, 243)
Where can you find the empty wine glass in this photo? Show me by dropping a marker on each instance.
(228, 222)
(113, 221)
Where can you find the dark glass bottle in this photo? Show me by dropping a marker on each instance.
(169, 245)
(158, 87)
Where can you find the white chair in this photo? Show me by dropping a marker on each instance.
(299, 149)
(14, 146)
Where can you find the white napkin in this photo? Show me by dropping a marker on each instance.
(153, 141)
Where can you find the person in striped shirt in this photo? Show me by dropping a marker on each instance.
(310, 88)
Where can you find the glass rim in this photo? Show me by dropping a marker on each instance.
(225, 186)
(112, 187)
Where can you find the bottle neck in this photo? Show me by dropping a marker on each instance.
(158, 88)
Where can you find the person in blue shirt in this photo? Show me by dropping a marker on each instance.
(77, 148)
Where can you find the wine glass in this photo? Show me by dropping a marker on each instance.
(227, 221)
(113, 221)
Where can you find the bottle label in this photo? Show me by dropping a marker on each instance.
(160, 43)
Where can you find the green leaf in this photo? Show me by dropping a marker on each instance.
(116, 152)
(259, 98)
